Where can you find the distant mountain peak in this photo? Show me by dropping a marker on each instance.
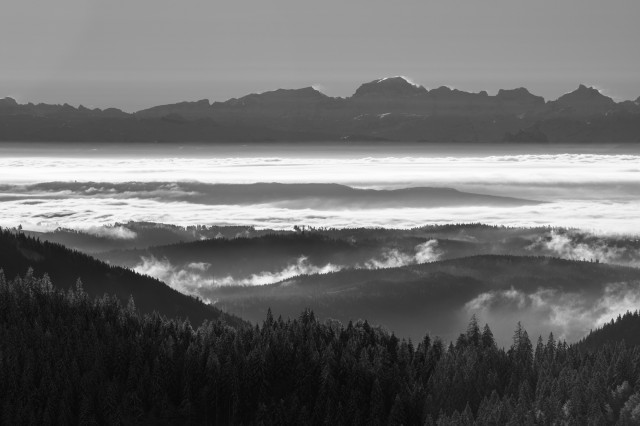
(195, 109)
(583, 93)
(390, 86)
(448, 90)
(588, 90)
(585, 100)
(443, 89)
(309, 90)
(519, 94)
(8, 101)
(396, 79)
(306, 93)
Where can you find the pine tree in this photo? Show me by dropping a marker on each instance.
(487, 337)
(473, 331)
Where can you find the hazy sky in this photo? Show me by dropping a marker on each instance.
(137, 53)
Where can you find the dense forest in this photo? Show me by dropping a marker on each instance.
(67, 358)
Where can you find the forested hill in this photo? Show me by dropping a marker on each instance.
(624, 328)
(18, 253)
(68, 359)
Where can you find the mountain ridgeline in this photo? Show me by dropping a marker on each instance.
(388, 109)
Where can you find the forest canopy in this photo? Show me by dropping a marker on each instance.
(67, 358)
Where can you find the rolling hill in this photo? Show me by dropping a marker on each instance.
(437, 296)
(272, 252)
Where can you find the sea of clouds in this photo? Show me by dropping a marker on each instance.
(593, 191)
(382, 171)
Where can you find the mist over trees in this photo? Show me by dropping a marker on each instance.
(67, 358)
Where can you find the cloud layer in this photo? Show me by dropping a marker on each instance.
(380, 167)
(591, 191)
(43, 214)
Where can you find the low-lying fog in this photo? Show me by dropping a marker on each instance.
(595, 189)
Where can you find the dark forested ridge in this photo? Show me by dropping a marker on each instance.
(141, 234)
(623, 328)
(68, 359)
(245, 255)
(19, 252)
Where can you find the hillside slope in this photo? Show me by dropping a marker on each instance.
(18, 253)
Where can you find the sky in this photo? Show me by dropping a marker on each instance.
(138, 53)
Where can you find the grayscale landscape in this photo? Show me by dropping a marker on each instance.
(359, 213)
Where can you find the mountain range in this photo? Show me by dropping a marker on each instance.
(388, 109)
